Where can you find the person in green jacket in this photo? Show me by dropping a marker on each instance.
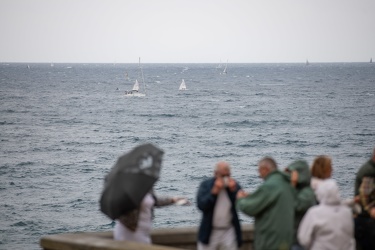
(299, 174)
(272, 205)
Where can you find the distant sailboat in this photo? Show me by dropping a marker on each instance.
(225, 69)
(136, 87)
(307, 63)
(371, 60)
(182, 85)
(28, 66)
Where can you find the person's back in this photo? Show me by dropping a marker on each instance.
(272, 205)
(329, 225)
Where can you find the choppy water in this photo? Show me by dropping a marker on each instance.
(63, 127)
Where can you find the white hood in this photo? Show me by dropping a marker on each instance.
(328, 225)
(328, 193)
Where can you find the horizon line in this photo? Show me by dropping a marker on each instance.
(294, 62)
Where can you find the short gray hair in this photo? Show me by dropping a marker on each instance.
(270, 163)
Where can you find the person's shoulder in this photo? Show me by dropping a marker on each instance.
(207, 181)
(277, 176)
(368, 163)
(367, 166)
(347, 209)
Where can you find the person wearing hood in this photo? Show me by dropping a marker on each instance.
(299, 174)
(329, 225)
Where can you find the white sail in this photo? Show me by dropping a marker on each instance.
(225, 69)
(137, 90)
(182, 85)
(136, 86)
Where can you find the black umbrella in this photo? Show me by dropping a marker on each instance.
(132, 177)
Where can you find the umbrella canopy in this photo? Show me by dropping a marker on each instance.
(132, 177)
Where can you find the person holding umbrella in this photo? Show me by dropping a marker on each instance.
(128, 196)
(137, 224)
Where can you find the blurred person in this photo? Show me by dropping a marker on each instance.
(304, 195)
(329, 225)
(220, 227)
(272, 205)
(321, 169)
(137, 224)
(364, 192)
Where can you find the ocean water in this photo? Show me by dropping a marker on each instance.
(63, 127)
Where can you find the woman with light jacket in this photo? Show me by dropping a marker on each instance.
(329, 225)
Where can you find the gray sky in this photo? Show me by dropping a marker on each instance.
(192, 31)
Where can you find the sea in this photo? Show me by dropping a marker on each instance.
(63, 127)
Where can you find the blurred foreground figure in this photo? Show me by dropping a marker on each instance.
(128, 196)
(220, 227)
(329, 225)
(321, 169)
(365, 195)
(272, 205)
(137, 224)
(304, 195)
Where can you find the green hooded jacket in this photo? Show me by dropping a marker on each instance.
(272, 205)
(303, 193)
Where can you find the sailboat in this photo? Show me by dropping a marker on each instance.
(307, 62)
(371, 60)
(136, 87)
(182, 85)
(225, 69)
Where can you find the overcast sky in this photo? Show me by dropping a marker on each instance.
(191, 31)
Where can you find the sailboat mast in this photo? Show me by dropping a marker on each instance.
(143, 78)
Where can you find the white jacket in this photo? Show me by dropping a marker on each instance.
(329, 225)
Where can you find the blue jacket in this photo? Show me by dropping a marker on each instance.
(206, 203)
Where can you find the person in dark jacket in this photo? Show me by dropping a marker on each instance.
(363, 191)
(216, 197)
